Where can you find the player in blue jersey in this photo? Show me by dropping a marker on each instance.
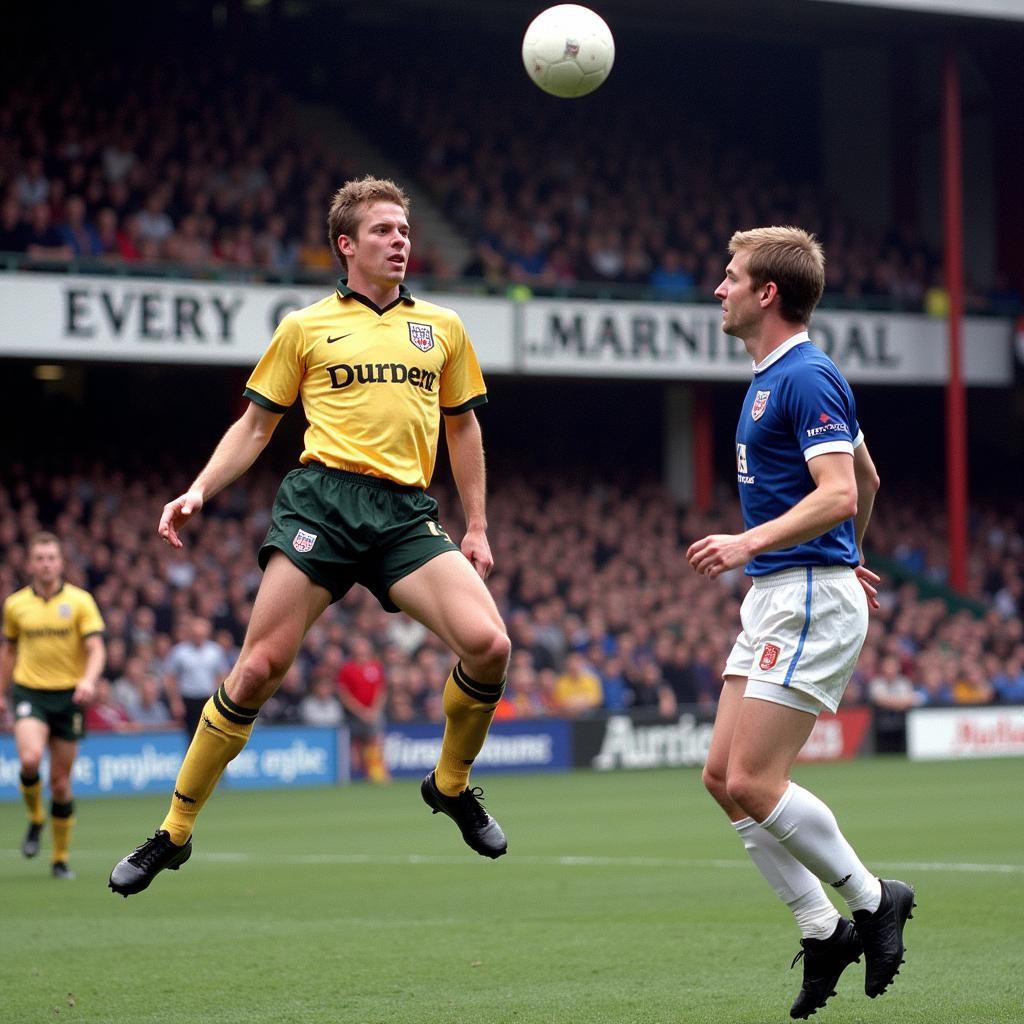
(807, 486)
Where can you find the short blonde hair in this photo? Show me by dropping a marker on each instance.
(43, 539)
(349, 205)
(791, 258)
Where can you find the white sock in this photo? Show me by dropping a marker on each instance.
(800, 890)
(809, 831)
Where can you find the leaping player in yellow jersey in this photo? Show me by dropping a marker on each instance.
(375, 369)
(53, 654)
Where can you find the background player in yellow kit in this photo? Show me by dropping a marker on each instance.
(375, 369)
(53, 654)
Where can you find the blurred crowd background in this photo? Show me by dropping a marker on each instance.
(220, 163)
(590, 575)
(215, 167)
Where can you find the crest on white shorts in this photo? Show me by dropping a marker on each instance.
(303, 542)
(760, 401)
(421, 335)
(769, 657)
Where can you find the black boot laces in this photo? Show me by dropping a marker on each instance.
(147, 855)
(472, 802)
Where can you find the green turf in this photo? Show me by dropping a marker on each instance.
(624, 898)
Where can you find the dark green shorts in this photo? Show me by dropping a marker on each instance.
(343, 528)
(65, 718)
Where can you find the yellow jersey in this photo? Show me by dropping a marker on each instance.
(373, 382)
(49, 632)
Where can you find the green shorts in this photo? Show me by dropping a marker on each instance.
(343, 528)
(65, 718)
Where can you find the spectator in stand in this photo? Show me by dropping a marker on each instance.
(577, 689)
(153, 224)
(1008, 679)
(972, 684)
(321, 706)
(127, 686)
(934, 689)
(151, 712)
(105, 713)
(13, 230)
(401, 702)
(314, 253)
(681, 677)
(188, 245)
(891, 690)
(276, 251)
(195, 667)
(362, 688)
(614, 688)
(32, 186)
(649, 692)
(42, 240)
(77, 233)
(672, 277)
(117, 652)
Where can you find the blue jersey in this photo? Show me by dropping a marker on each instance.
(799, 405)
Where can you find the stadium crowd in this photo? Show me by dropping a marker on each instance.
(213, 169)
(591, 577)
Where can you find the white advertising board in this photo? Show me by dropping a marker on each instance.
(949, 733)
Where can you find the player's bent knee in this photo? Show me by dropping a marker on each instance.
(714, 783)
(498, 652)
(256, 676)
(743, 790)
(488, 653)
(31, 761)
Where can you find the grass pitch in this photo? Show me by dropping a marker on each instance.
(624, 898)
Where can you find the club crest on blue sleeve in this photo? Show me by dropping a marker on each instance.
(421, 335)
(760, 401)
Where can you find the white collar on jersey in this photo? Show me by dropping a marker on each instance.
(777, 353)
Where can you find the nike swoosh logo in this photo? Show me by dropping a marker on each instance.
(338, 338)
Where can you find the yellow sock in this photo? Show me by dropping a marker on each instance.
(223, 730)
(62, 820)
(468, 710)
(32, 791)
(373, 762)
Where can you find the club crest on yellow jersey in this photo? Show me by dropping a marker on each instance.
(421, 335)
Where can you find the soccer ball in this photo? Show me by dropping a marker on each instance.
(568, 50)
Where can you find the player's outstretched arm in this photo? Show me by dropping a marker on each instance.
(236, 451)
(466, 454)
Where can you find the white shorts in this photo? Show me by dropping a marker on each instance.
(802, 631)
